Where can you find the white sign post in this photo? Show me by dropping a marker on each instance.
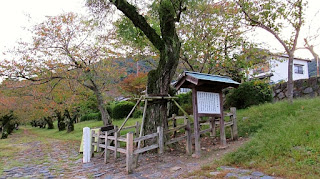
(86, 145)
(208, 103)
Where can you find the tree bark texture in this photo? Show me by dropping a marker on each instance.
(169, 47)
(290, 78)
(104, 114)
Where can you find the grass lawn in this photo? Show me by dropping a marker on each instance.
(284, 140)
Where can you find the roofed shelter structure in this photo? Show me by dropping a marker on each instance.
(207, 99)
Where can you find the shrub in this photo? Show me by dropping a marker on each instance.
(248, 94)
(122, 109)
(185, 101)
(137, 114)
(91, 116)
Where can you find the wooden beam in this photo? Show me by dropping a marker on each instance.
(192, 80)
(196, 123)
(233, 110)
(107, 144)
(160, 139)
(132, 110)
(150, 147)
(129, 152)
(223, 139)
(188, 135)
(180, 82)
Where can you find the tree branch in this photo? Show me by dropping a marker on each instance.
(259, 24)
(139, 21)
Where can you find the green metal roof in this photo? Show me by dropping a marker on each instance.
(208, 77)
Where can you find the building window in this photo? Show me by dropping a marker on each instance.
(298, 69)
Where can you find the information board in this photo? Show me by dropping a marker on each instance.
(208, 103)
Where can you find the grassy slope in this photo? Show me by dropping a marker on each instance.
(77, 133)
(285, 139)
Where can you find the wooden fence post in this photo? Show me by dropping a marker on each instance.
(137, 129)
(115, 142)
(234, 128)
(92, 141)
(99, 141)
(129, 156)
(174, 121)
(213, 126)
(188, 134)
(160, 139)
(107, 144)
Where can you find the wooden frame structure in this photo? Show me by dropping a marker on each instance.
(211, 86)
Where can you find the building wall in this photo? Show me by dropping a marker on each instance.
(279, 69)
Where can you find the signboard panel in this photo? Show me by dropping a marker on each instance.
(208, 103)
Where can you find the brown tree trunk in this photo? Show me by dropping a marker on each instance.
(290, 79)
(159, 80)
(168, 45)
(104, 113)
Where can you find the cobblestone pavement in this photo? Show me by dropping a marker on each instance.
(51, 158)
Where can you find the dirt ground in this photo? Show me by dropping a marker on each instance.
(52, 158)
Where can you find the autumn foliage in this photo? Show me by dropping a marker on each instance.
(134, 84)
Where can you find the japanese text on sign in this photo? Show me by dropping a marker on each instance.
(208, 103)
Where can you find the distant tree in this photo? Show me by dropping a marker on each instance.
(315, 55)
(134, 84)
(67, 47)
(272, 15)
(213, 39)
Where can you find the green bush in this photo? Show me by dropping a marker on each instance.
(122, 109)
(91, 116)
(137, 114)
(248, 94)
(185, 101)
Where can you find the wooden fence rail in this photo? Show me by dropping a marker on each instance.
(106, 138)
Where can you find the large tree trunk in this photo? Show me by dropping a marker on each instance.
(168, 45)
(104, 113)
(290, 79)
(159, 80)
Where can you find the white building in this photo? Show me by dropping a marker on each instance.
(276, 69)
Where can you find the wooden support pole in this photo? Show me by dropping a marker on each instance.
(174, 121)
(234, 128)
(136, 133)
(189, 135)
(196, 123)
(132, 110)
(99, 141)
(212, 126)
(141, 131)
(92, 141)
(115, 143)
(223, 139)
(107, 144)
(129, 154)
(160, 139)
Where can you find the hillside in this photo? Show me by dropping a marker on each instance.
(284, 140)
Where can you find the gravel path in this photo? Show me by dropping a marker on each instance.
(51, 158)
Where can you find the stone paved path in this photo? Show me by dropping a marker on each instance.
(238, 173)
(51, 158)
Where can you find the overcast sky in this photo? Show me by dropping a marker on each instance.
(14, 16)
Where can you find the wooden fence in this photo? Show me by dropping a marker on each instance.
(173, 134)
